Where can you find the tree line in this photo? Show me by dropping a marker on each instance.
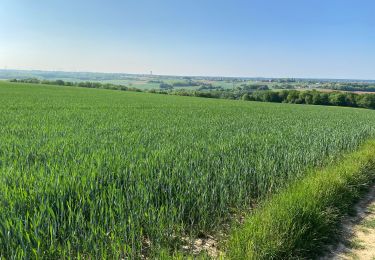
(310, 97)
(83, 84)
(351, 86)
(314, 97)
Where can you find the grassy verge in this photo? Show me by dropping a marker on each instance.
(302, 219)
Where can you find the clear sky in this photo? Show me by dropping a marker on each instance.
(270, 38)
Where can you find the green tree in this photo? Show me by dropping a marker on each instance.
(337, 99)
(316, 98)
(292, 96)
(366, 101)
(246, 97)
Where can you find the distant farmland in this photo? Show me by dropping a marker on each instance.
(109, 174)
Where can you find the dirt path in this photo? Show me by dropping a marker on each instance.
(360, 232)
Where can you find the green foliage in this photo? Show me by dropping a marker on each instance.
(298, 222)
(315, 97)
(94, 173)
(352, 86)
(83, 84)
(337, 99)
(250, 92)
(246, 97)
(165, 86)
(366, 101)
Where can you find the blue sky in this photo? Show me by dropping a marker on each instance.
(274, 38)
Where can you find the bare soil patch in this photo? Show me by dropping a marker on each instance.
(359, 232)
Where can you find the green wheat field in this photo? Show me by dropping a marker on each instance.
(114, 174)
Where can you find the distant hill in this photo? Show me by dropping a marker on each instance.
(101, 76)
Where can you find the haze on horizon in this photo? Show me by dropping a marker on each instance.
(312, 39)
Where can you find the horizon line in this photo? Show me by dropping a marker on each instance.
(181, 75)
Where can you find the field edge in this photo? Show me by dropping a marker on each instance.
(304, 218)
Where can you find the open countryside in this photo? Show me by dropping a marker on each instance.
(92, 165)
(240, 130)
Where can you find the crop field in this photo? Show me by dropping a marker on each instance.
(103, 173)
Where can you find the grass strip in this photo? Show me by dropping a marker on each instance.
(302, 219)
